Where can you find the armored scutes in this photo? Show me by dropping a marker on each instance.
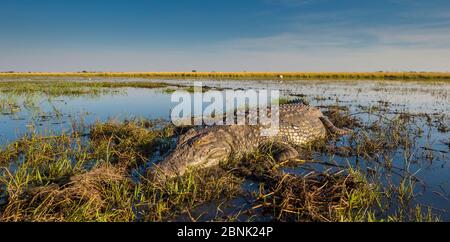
(298, 125)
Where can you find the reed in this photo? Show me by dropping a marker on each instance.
(437, 76)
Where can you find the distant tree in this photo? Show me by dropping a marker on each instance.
(194, 71)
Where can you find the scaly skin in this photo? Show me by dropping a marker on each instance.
(206, 147)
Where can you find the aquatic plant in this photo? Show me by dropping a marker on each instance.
(70, 88)
(102, 174)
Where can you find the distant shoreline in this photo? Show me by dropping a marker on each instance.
(246, 75)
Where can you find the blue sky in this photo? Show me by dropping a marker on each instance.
(227, 35)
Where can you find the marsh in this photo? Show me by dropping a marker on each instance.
(81, 151)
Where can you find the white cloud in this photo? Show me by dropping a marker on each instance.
(345, 36)
(314, 42)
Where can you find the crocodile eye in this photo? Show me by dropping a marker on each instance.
(201, 142)
(208, 139)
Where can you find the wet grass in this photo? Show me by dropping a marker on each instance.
(70, 177)
(250, 75)
(320, 196)
(67, 88)
(100, 173)
(388, 146)
(73, 177)
(103, 176)
(18, 95)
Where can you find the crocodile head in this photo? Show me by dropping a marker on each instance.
(195, 149)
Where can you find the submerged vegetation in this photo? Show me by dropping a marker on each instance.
(65, 88)
(24, 94)
(101, 171)
(103, 175)
(72, 178)
(248, 75)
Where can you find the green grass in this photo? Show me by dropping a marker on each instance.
(18, 95)
(69, 88)
(104, 177)
(71, 178)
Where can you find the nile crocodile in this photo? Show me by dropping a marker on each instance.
(205, 147)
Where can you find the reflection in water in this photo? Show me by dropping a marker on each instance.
(43, 114)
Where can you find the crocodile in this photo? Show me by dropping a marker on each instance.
(204, 147)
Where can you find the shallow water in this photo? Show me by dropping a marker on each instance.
(411, 97)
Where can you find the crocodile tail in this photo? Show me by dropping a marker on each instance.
(333, 129)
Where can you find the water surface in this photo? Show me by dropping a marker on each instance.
(58, 114)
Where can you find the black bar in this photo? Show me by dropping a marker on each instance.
(233, 231)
